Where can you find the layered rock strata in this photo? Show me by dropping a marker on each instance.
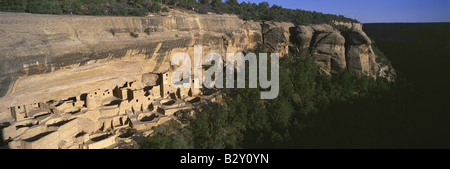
(336, 51)
(51, 65)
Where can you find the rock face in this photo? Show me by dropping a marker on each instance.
(276, 36)
(360, 56)
(150, 79)
(65, 56)
(335, 51)
(58, 54)
(328, 48)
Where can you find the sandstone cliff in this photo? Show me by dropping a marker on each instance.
(68, 55)
(336, 51)
(45, 57)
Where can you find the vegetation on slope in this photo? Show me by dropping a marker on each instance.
(311, 111)
(83, 7)
(246, 11)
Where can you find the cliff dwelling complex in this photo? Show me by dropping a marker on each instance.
(103, 117)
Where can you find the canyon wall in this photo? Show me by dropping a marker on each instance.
(336, 51)
(51, 57)
(45, 57)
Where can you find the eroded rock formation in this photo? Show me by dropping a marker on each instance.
(58, 53)
(337, 51)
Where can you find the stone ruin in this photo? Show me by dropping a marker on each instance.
(102, 118)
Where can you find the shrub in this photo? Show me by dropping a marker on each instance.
(165, 9)
(117, 9)
(95, 9)
(71, 7)
(13, 5)
(341, 28)
(44, 7)
(134, 35)
(113, 32)
(155, 7)
(203, 9)
(137, 11)
(147, 31)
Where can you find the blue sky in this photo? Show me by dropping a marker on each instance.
(367, 11)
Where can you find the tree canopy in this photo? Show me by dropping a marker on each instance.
(245, 10)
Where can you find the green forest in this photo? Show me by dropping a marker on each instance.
(246, 11)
